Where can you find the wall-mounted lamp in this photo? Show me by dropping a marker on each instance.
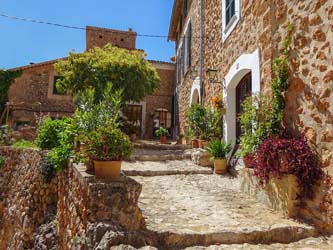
(212, 77)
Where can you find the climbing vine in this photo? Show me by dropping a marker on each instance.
(280, 84)
(6, 79)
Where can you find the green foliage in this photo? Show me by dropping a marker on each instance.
(6, 79)
(50, 132)
(2, 161)
(255, 122)
(108, 144)
(162, 132)
(219, 149)
(47, 169)
(90, 116)
(280, 84)
(58, 156)
(203, 122)
(127, 70)
(24, 144)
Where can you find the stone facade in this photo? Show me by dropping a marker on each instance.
(26, 200)
(255, 39)
(32, 94)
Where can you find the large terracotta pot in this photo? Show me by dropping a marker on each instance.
(195, 143)
(203, 143)
(247, 159)
(220, 166)
(163, 139)
(107, 169)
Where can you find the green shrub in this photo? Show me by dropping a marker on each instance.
(5, 133)
(162, 132)
(51, 132)
(203, 122)
(2, 161)
(107, 144)
(24, 144)
(255, 122)
(218, 149)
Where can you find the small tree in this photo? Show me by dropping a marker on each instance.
(127, 70)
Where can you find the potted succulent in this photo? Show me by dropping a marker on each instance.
(162, 133)
(107, 147)
(219, 151)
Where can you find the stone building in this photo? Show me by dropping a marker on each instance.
(34, 91)
(239, 39)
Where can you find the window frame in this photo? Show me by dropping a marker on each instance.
(227, 28)
(50, 94)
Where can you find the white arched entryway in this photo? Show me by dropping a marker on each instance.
(195, 96)
(245, 64)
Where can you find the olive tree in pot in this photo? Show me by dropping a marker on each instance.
(162, 133)
(219, 151)
(107, 147)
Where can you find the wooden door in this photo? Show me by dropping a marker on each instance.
(134, 115)
(243, 89)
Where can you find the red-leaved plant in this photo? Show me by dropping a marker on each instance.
(295, 154)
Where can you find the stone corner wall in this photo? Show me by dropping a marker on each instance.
(90, 208)
(26, 200)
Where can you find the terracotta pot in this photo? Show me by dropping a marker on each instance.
(195, 143)
(107, 169)
(203, 143)
(133, 137)
(247, 160)
(163, 139)
(220, 166)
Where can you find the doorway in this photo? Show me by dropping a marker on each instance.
(243, 90)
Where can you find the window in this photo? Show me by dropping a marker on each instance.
(230, 17)
(184, 54)
(229, 10)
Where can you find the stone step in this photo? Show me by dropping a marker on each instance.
(158, 168)
(155, 145)
(141, 154)
(201, 210)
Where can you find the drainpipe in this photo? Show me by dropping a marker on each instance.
(201, 49)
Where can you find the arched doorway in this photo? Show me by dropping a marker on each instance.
(243, 89)
(195, 97)
(195, 92)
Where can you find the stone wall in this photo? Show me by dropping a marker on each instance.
(26, 200)
(89, 211)
(31, 94)
(309, 98)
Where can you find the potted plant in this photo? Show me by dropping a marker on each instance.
(180, 138)
(162, 133)
(219, 151)
(217, 103)
(107, 147)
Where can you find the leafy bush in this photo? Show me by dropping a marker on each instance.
(296, 154)
(103, 114)
(2, 161)
(203, 122)
(219, 149)
(24, 144)
(60, 155)
(162, 132)
(51, 132)
(108, 144)
(255, 122)
(47, 169)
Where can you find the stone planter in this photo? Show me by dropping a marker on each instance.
(220, 166)
(279, 194)
(107, 169)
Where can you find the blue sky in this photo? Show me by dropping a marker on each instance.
(23, 42)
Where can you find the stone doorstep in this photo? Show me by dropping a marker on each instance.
(148, 173)
(154, 145)
(167, 157)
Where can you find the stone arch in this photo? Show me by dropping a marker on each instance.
(246, 63)
(195, 96)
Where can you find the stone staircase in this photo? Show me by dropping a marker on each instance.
(185, 205)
